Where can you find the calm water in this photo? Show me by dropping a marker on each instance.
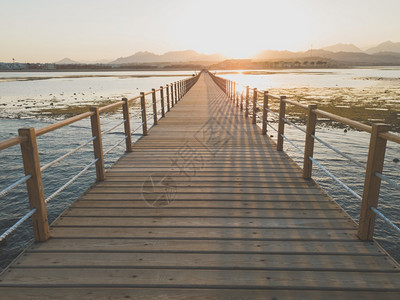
(39, 99)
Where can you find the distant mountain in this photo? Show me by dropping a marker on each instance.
(173, 56)
(345, 58)
(385, 47)
(275, 54)
(67, 61)
(342, 48)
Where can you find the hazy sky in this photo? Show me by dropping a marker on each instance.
(49, 30)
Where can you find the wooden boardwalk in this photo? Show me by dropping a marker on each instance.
(203, 208)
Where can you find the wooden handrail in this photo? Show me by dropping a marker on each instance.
(111, 106)
(12, 142)
(343, 120)
(61, 124)
(30, 153)
(376, 155)
(390, 137)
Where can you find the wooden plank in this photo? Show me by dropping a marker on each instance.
(206, 190)
(203, 233)
(97, 195)
(207, 261)
(48, 277)
(204, 212)
(208, 246)
(187, 293)
(207, 222)
(193, 204)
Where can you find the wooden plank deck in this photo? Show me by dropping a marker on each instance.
(203, 208)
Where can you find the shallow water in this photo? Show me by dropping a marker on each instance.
(26, 102)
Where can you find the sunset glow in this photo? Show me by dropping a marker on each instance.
(105, 29)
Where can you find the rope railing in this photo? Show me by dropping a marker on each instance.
(45, 167)
(388, 180)
(14, 185)
(383, 217)
(71, 181)
(292, 143)
(112, 128)
(172, 93)
(374, 166)
(335, 178)
(348, 157)
(17, 224)
(115, 145)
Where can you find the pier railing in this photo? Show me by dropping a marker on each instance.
(161, 101)
(253, 101)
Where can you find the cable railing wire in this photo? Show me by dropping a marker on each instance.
(15, 184)
(140, 126)
(272, 112)
(293, 144)
(67, 154)
(336, 179)
(116, 145)
(388, 180)
(70, 181)
(112, 128)
(378, 213)
(273, 128)
(338, 152)
(294, 125)
(16, 225)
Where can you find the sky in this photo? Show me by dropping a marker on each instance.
(90, 30)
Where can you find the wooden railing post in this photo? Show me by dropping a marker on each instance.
(237, 99)
(247, 101)
(97, 144)
(176, 93)
(233, 91)
(241, 101)
(255, 95)
(372, 183)
(162, 101)
(127, 125)
(265, 113)
(309, 143)
(168, 98)
(178, 90)
(281, 124)
(154, 99)
(30, 157)
(144, 116)
(172, 95)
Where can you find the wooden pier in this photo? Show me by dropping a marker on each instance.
(203, 208)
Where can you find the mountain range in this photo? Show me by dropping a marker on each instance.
(384, 53)
(173, 56)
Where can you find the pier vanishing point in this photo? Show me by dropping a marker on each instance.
(203, 207)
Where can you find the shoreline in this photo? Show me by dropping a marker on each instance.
(189, 68)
